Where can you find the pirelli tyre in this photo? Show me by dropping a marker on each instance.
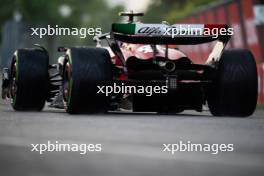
(85, 69)
(234, 89)
(29, 79)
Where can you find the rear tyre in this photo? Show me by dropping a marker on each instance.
(29, 79)
(84, 69)
(234, 89)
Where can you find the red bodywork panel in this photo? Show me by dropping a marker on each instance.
(144, 52)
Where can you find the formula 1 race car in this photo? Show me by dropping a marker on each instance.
(141, 70)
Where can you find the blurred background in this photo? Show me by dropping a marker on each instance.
(18, 16)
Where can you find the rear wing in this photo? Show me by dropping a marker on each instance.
(183, 34)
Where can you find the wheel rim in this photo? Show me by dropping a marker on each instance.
(66, 83)
(13, 84)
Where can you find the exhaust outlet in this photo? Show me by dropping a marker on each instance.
(167, 66)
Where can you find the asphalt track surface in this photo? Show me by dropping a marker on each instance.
(132, 144)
